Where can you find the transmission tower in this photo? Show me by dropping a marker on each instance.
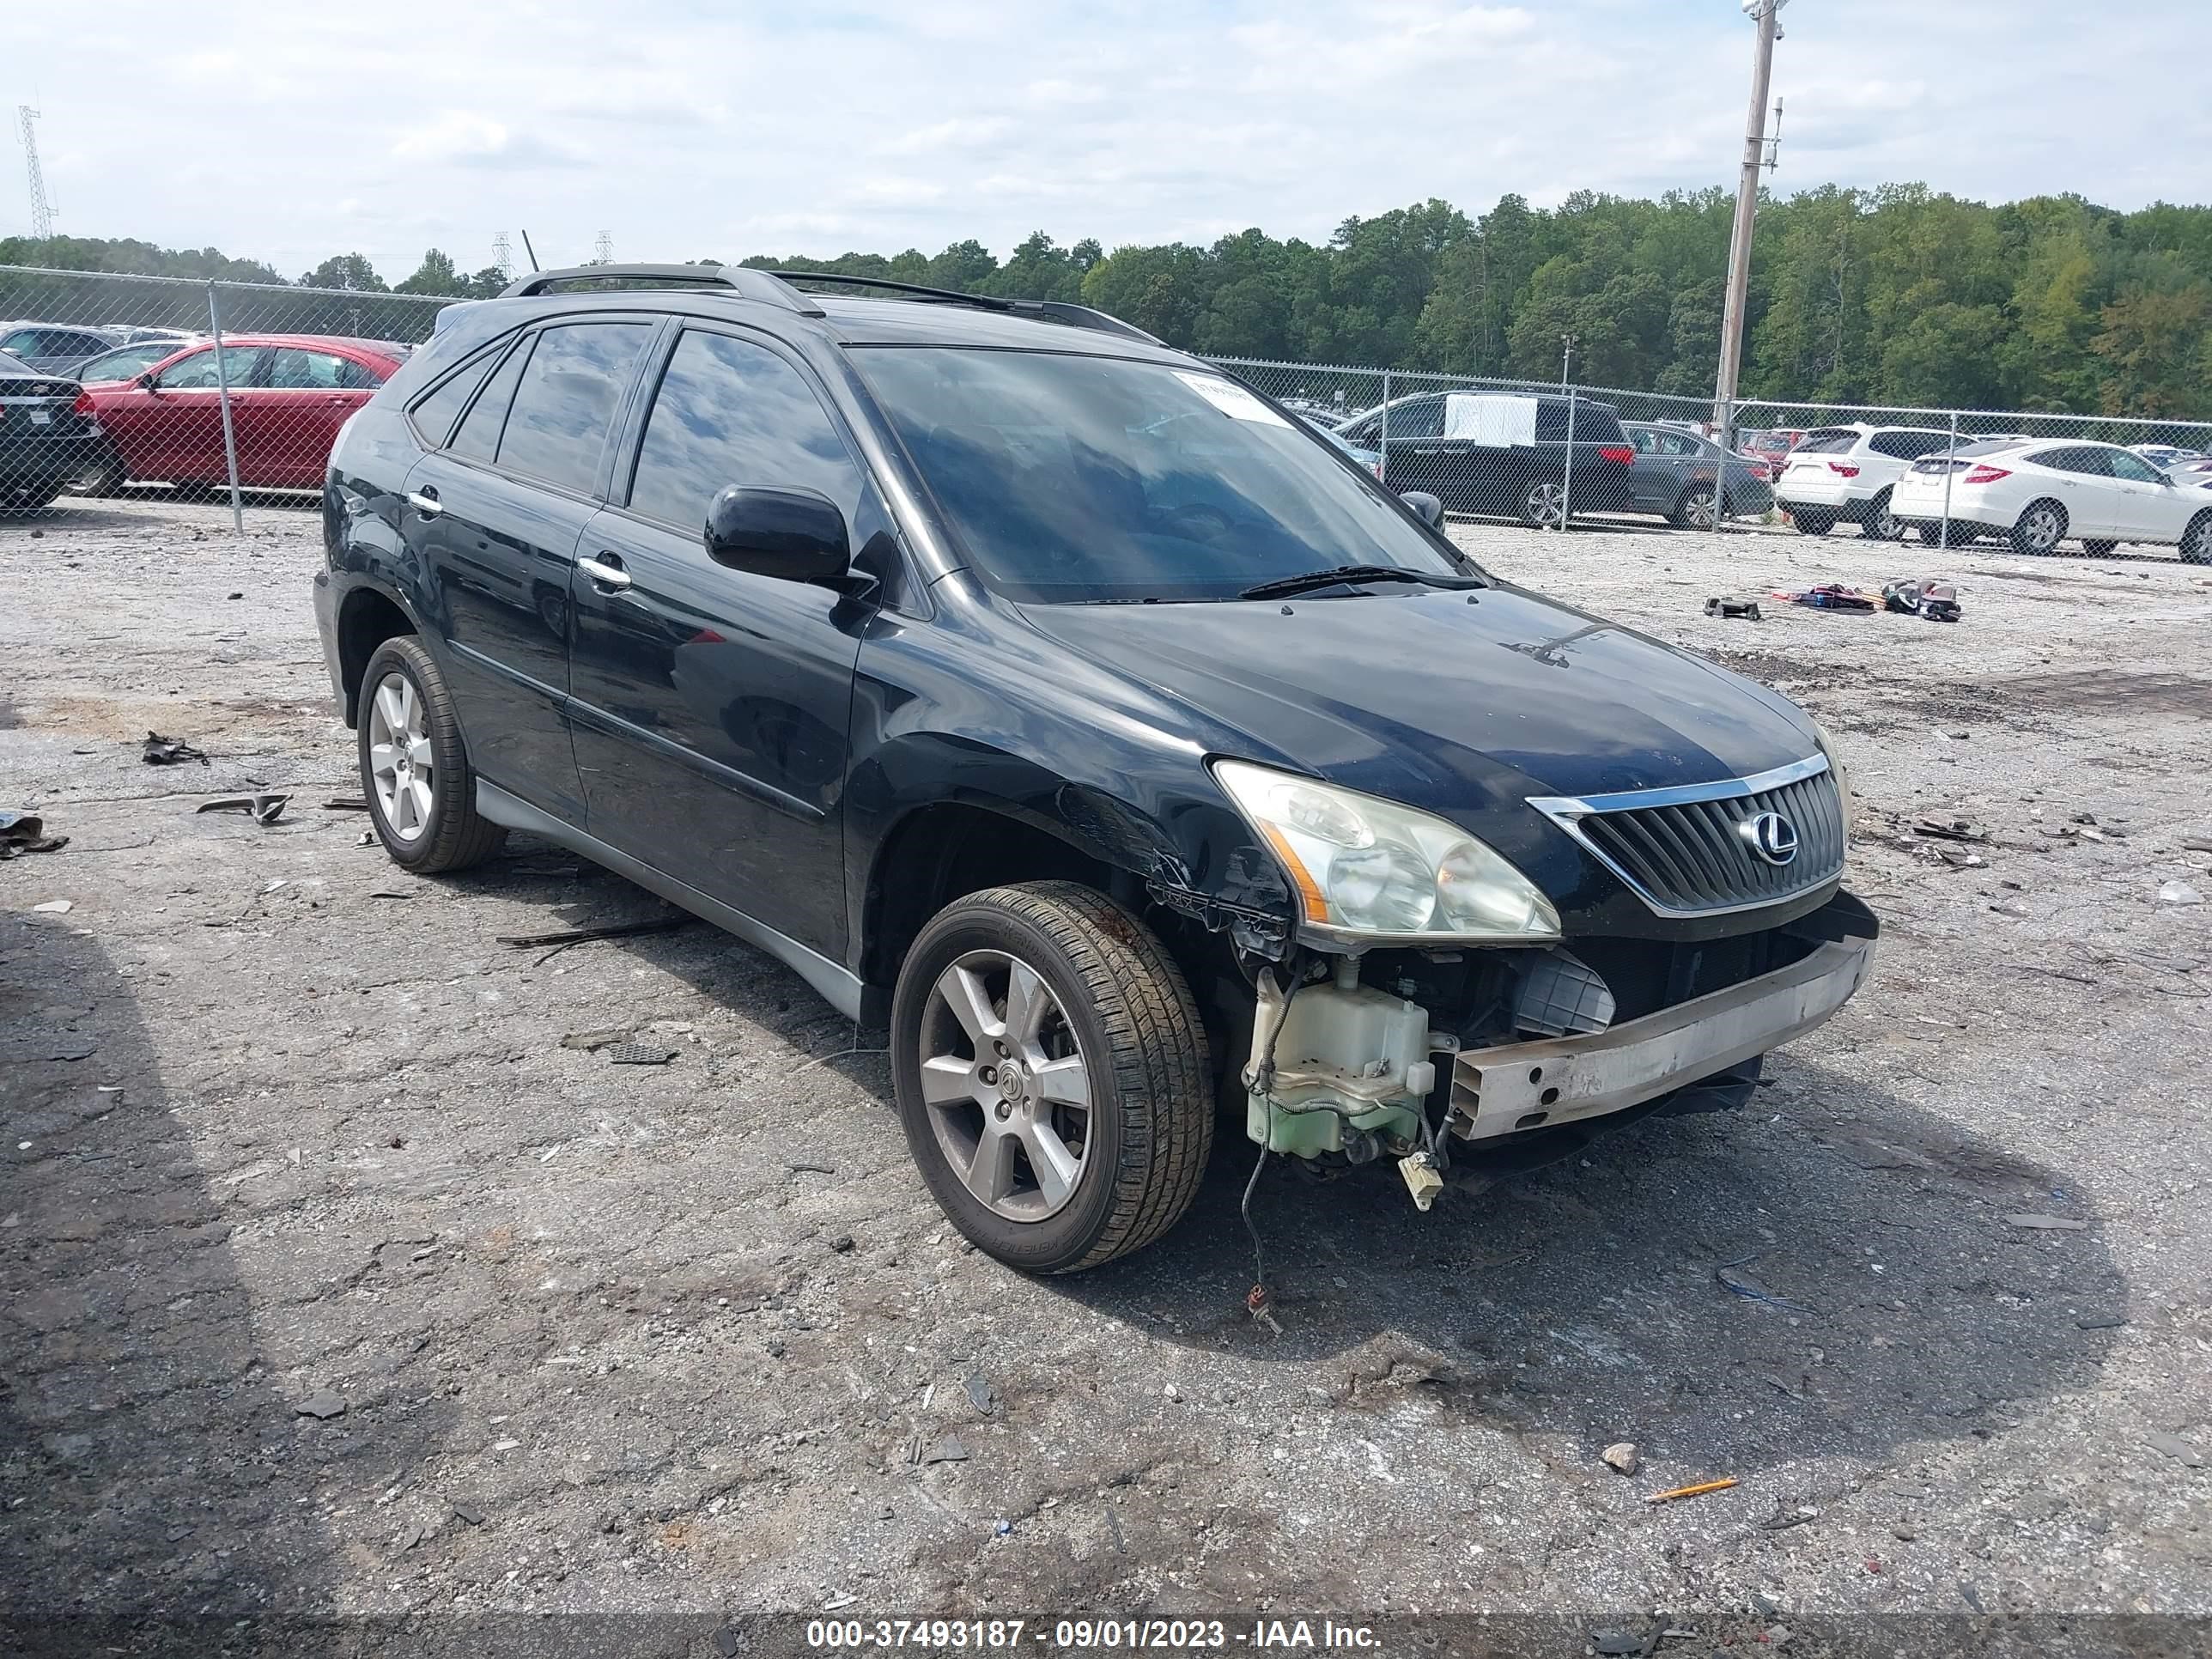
(603, 249)
(42, 211)
(502, 254)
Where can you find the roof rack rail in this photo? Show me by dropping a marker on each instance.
(1055, 310)
(744, 280)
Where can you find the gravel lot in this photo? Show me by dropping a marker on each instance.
(287, 1127)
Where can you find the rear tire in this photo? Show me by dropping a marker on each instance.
(2197, 540)
(1117, 1021)
(415, 771)
(1881, 525)
(2038, 530)
(1809, 523)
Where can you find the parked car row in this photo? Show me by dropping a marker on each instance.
(2035, 493)
(63, 347)
(1502, 453)
(151, 410)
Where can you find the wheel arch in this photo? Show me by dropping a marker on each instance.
(367, 616)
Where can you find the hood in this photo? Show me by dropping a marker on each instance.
(1420, 696)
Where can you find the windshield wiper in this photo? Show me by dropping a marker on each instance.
(1352, 573)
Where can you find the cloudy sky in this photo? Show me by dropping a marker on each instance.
(687, 128)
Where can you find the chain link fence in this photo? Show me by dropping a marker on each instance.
(114, 384)
(1549, 455)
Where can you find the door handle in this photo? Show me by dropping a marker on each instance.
(605, 570)
(425, 502)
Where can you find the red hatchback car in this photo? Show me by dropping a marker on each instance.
(289, 394)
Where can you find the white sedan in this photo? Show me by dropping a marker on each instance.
(2037, 492)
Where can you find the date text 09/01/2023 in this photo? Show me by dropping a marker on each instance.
(1086, 1634)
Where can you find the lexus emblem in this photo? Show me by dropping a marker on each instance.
(1771, 835)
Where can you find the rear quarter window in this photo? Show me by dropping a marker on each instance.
(1908, 446)
(1832, 440)
(1594, 423)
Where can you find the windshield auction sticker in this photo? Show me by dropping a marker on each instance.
(1231, 398)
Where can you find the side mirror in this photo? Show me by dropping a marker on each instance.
(146, 382)
(793, 535)
(1427, 505)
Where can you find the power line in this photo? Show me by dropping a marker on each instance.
(42, 211)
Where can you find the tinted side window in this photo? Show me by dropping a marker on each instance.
(1422, 418)
(434, 415)
(241, 366)
(293, 369)
(565, 405)
(1908, 446)
(729, 412)
(478, 438)
(1594, 423)
(358, 377)
(2134, 467)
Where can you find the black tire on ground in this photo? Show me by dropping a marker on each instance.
(2197, 540)
(450, 835)
(105, 479)
(1809, 523)
(1149, 1125)
(2098, 549)
(31, 499)
(1694, 511)
(2039, 529)
(1879, 524)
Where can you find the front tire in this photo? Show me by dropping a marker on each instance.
(1696, 510)
(2038, 530)
(415, 771)
(1881, 525)
(1052, 1075)
(1544, 504)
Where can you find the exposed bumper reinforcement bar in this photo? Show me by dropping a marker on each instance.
(1528, 1085)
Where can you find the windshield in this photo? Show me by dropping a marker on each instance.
(1082, 480)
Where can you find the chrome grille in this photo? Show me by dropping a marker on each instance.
(1686, 852)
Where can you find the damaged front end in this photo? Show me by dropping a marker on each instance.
(1458, 1022)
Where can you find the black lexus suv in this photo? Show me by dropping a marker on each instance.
(1062, 703)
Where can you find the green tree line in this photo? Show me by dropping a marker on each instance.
(1895, 295)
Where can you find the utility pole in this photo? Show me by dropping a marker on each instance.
(42, 211)
(1761, 12)
(1566, 356)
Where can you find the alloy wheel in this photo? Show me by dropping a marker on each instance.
(1545, 504)
(2041, 529)
(1004, 1080)
(399, 757)
(1701, 509)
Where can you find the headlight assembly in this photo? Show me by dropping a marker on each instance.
(1370, 871)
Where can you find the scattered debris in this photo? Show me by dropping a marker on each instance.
(322, 1405)
(980, 1394)
(639, 1053)
(1960, 858)
(263, 809)
(1697, 1491)
(1623, 1457)
(1831, 596)
(948, 1449)
(1775, 1636)
(1785, 1517)
(2179, 892)
(843, 1244)
(55, 907)
(1002, 1529)
(469, 1513)
(803, 1168)
(591, 1041)
(1949, 829)
(345, 804)
(1744, 1284)
(2011, 906)
(1931, 598)
(2176, 1447)
(1732, 605)
(1617, 1643)
(2196, 844)
(2058, 1224)
(26, 832)
(837, 1601)
(586, 935)
(2100, 1322)
(158, 750)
